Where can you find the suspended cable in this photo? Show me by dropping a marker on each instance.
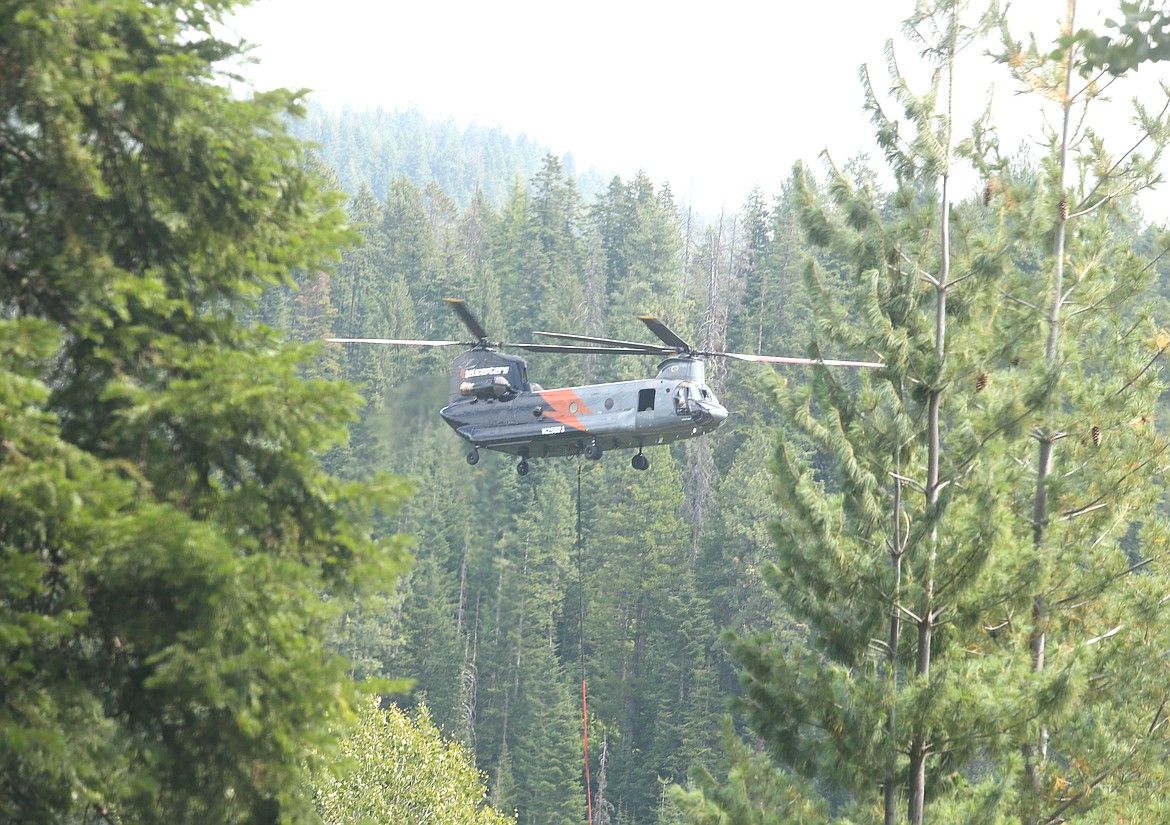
(581, 634)
(580, 576)
(585, 726)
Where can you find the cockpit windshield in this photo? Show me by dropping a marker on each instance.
(690, 398)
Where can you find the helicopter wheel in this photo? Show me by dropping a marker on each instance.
(593, 452)
(473, 457)
(522, 467)
(640, 462)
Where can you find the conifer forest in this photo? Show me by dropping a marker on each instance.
(248, 575)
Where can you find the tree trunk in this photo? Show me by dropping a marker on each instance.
(920, 745)
(897, 548)
(1035, 754)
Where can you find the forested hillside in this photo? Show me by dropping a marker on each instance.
(375, 148)
(937, 590)
(524, 587)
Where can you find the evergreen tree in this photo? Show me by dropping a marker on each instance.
(547, 757)
(653, 260)
(912, 540)
(736, 551)
(432, 652)
(749, 314)
(776, 311)
(613, 216)
(1091, 354)
(168, 531)
(478, 226)
(373, 300)
(413, 256)
(750, 791)
(513, 257)
(554, 286)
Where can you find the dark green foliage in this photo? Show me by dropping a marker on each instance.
(432, 649)
(750, 791)
(167, 529)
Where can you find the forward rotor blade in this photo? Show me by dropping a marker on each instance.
(574, 350)
(783, 359)
(665, 333)
(467, 318)
(406, 342)
(652, 349)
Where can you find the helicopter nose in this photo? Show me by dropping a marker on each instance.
(715, 414)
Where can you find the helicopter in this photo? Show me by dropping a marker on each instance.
(492, 404)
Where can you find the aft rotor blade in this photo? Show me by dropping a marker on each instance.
(650, 349)
(664, 332)
(406, 342)
(783, 359)
(467, 318)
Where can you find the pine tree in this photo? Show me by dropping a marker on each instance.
(432, 651)
(513, 257)
(653, 257)
(912, 542)
(547, 756)
(1091, 355)
(413, 255)
(555, 230)
(750, 311)
(613, 216)
(750, 791)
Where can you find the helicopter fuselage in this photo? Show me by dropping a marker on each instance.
(494, 407)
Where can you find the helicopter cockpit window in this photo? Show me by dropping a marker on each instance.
(688, 396)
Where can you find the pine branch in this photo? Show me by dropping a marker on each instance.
(1083, 209)
(1156, 722)
(1143, 370)
(1020, 301)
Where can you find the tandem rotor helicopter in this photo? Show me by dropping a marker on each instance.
(493, 406)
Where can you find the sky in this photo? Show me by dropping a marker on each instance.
(712, 98)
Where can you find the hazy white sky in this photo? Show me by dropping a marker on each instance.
(713, 98)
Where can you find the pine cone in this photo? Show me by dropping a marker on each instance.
(992, 188)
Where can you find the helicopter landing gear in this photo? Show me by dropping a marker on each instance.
(522, 467)
(640, 462)
(593, 452)
(473, 456)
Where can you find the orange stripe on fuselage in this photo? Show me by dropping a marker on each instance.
(559, 402)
